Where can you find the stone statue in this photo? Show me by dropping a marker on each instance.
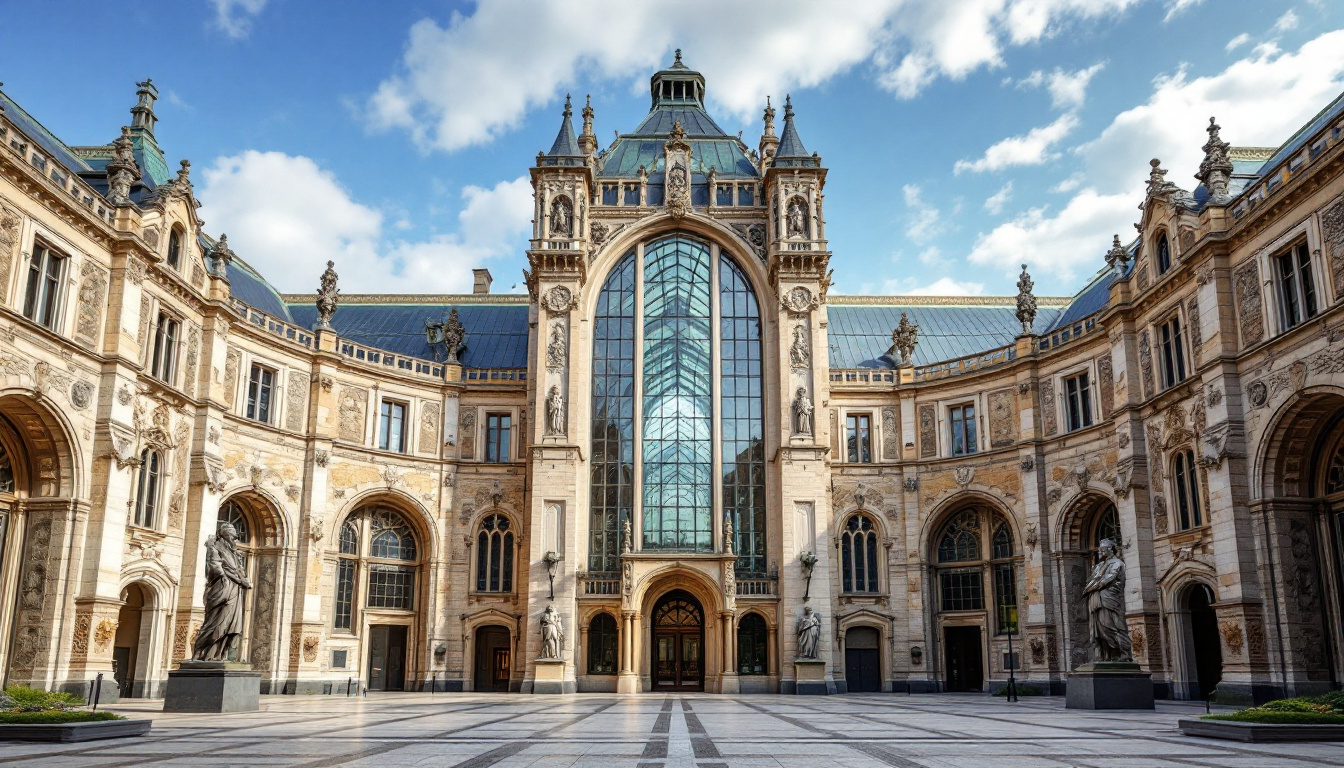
(224, 585)
(1026, 301)
(904, 338)
(562, 219)
(327, 296)
(809, 634)
(802, 413)
(799, 356)
(552, 634)
(1105, 593)
(555, 412)
(728, 535)
(122, 171)
(556, 349)
(797, 218)
(627, 536)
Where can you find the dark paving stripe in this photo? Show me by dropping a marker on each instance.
(663, 724)
(703, 747)
(701, 744)
(655, 749)
(685, 706)
(693, 723)
(571, 722)
(667, 704)
(494, 755)
(656, 746)
(878, 753)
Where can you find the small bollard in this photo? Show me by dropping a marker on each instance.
(434, 683)
(97, 690)
(349, 684)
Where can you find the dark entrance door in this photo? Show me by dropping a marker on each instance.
(493, 660)
(965, 669)
(863, 669)
(1207, 644)
(387, 657)
(678, 642)
(121, 670)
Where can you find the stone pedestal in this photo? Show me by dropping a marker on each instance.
(810, 677)
(213, 686)
(550, 677)
(1109, 685)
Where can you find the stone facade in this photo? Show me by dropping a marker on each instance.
(1190, 413)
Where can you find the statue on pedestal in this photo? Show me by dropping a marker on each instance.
(224, 585)
(802, 413)
(809, 634)
(1105, 593)
(552, 634)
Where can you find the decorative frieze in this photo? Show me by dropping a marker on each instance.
(928, 434)
(1002, 418)
(92, 299)
(1250, 314)
(1046, 395)
(351, 405)
(1332, 242)
(429, 427)
(891, 437)
(296, 412)
(1106, 385)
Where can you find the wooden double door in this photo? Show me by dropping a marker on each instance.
(678, 644)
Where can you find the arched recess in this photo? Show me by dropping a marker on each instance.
(139, 641)
(757, 650)
(1300, 471)
(649, 591)
(40, 479)
(262, 542)
(1089, 518)
(861, 553)
(865, 636)
(491, 651)
(1189, 595)
(973, 568)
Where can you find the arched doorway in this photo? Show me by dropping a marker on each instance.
(678, 643)
(494, 659)
(863, 663)
(1090, 519)
(1204, 655)
(130, 659)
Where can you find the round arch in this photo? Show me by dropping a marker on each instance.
(54, 465)
(264, 511)
(1283, 462)
(415, 513)
(1077, 526)
(1192, 623)
(949, 506)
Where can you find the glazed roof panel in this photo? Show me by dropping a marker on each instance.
(859, 335)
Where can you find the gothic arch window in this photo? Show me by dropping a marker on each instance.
(1185, 482)
(1105, 525)
(175, 247)
(147, 489)
(494, 555)
(1334, 472)
(659, 408)
(1163, 253)
(602, 644)
(378, 558)
(858, 556)
(970, 565)
(753, 639)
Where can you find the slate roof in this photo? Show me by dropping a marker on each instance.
(248, 286)
(1092, 299)
(496, 333)
(859, 335)
(43, 138)
(566, 144)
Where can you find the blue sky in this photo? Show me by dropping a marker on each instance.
(963, 137)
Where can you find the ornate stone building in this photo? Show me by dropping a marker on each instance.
(679, 439)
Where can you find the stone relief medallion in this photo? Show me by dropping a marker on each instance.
(963, 475)
(81, 394)
(799, 300)
(1258, 393)
(559, 299)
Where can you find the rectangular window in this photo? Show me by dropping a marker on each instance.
(746, 195)
(392, 427)
(1005, 597)
(163, 364)
(391, 586)
(631, 197)
(1297, 287)
(1186, 477)
(858, 437)
(1172, 350)
(260, 387)
(345, 593)
(44, 286)
(1078, 402)
(339, 659)
(147, 489)
(723, 194)
(962, 589)
(498, 430)
(962, 421)
(609, 193)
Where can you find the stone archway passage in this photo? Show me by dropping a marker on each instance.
(494, 663)
(1205, 643)
(678, 643)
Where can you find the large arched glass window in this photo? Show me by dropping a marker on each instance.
(966, 559)
(494, 555)
(377, 557)
(602, 641)
(753, 638)
(858, 555)
(659, 416)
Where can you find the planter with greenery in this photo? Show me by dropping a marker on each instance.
(30, 714)
(1304, 718)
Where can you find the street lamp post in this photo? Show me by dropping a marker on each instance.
(1011, 610)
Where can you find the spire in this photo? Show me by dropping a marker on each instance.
(565, 144)
(587, 140)
(791, 147)
(142, 114)
(1026, 301)
(1216, 170)
(769, 141)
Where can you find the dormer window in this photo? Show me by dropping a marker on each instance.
(1163, 253)
(175, 248)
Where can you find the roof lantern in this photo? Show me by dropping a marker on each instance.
(677, 85)
(142, 114)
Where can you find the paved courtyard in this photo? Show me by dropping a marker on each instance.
(666, 731)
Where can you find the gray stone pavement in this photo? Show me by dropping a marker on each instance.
(666, 731)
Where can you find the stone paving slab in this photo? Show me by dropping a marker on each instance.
(666, 731)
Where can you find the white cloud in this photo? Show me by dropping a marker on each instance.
(995, 202)
(943, 286)
(925, 220)
(477, 76)
(1237, 42)
(1031, 149)
(1058, 244)
(1175, 7)
(1068, 90)
(1286, 22)
(931, 256)
(1069, 184)
(234, 17)
(287, 216)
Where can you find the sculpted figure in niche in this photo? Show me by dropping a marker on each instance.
(556, 348)
(1105, 593)
(552, 634)
(224, 585)
(802, 413)
(797, 218)
(562, 217)
(809, 634)
(799, 357)
(555, 412)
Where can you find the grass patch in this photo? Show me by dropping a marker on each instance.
(55, 717)
(1326, 709)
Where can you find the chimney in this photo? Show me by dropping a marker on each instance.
(482, 280)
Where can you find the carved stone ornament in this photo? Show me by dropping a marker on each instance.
(800, 353)
(911, 484)
(598, 232)
(135, 269)
(322, 458)
(122, 171)
(904, 338)
(795, 218)
(677, 181)
(1117, 258)
(963, 475)
(1049, 420)
(81, 394)
(1026, 302)
(1146, 363)
(562, 217)
(1215, 447)
(1258, 393)
(1124, 473)
(1250, 314)
(328, 296)
(802, 413)
(754, 234)
(557, 346)
(799, 300)
(559, 300)
(555, 412)
(1216, 169)
(1332, 241)
(1028, 464)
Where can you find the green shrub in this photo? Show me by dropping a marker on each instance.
(35, 699)
(55, 717)
(1334, 698)
(1262, 715)
(1300, 704)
